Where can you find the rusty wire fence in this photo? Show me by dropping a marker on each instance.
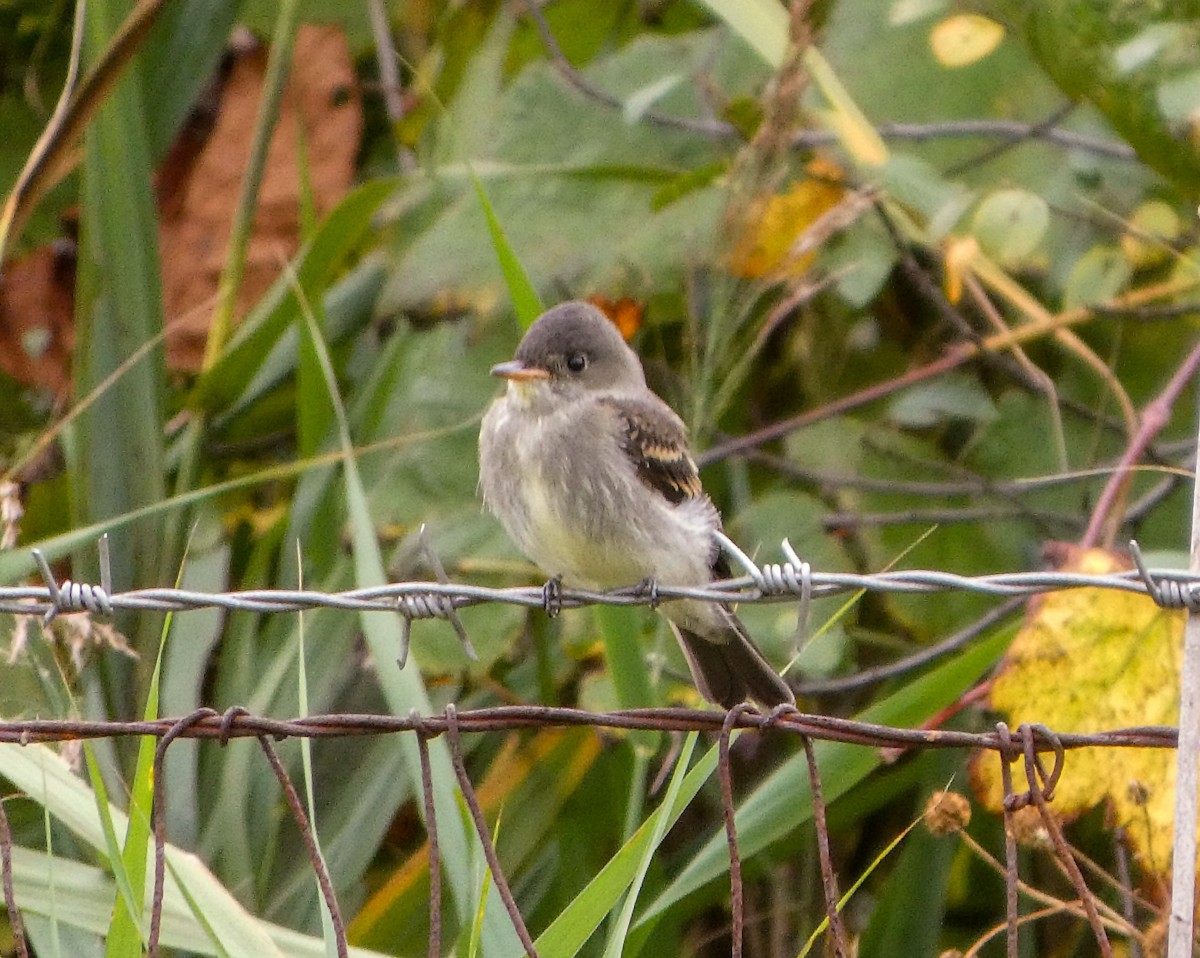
(1041, 750)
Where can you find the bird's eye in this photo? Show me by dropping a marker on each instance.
(577, 362)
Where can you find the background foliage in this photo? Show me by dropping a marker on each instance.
(783, 216)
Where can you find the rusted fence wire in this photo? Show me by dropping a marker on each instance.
(1028, 743)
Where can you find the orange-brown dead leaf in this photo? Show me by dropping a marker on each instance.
(1088, 660)
(627, 314)
(198, 191)
(37, 303)
(322, 105)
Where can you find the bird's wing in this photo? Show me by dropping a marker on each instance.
(655, 441)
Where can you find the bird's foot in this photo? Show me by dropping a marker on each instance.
(649, 588)
(552, 596)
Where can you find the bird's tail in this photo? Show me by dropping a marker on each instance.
(727, 666)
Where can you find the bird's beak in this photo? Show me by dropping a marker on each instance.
(516, 371)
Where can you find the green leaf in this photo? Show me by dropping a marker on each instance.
(616, 940)
(952, 397)
(524, 297)
(116, 456)
(784, 802)
(763, 24)
(573, 926)
(314, 266)
(47, 780)
(1135, 62)
(1097, 276)
(44, 884)
(1009, 225)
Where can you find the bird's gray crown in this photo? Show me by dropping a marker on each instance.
(577, 343)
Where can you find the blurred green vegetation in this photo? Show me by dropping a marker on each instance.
(238, 475)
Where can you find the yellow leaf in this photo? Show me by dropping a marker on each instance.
(772, 225)
(960, 253)
(1089, 660)
(965, 38)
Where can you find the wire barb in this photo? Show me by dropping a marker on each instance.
(1168, 593)
(552, 596)
(443, 599)
(76, 596)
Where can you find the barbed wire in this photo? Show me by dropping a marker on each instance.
(1028, 742)
(771, 582)
(789, 581)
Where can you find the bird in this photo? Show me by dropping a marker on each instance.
(591, 475)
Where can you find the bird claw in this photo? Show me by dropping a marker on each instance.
(649, 588)
(552, 596)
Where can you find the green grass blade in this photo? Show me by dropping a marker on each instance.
(763, 24)
(112, 844)
(126, 936)
(278, 66)
(116, 460)
(403, 688)
(43, 885)
(306, 762)
(620, 931)
(314, 267)
(568, 932)
(16, 565)
(858, 883)
(521, 290)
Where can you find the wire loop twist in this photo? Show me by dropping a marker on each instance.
(1168, 593)
(74, 596)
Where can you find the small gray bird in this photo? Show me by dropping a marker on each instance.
(590, 474)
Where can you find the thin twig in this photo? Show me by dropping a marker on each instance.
(310, 845)
(385, 56)
(844, 521)
(710, 128)
(1121, 854)
(435, 856)
(957, 357)
(159, 802)
(735, 860)
(1154, 418)
(485, 837)
(10, 895)
(837, 929)
(1011, 905)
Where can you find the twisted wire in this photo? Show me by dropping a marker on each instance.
(772, 582)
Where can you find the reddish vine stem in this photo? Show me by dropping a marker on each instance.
(1104, 522)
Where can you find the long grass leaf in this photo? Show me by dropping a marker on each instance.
(763, 24)
(306, 762)
(521, 290)
(126, 936)
(44, 887)
(116, 458)
(403, 688)
(616, 940)
(112, 843)
(573, 926)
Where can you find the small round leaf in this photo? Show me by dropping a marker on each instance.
(964, 38)
(1010, 224)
